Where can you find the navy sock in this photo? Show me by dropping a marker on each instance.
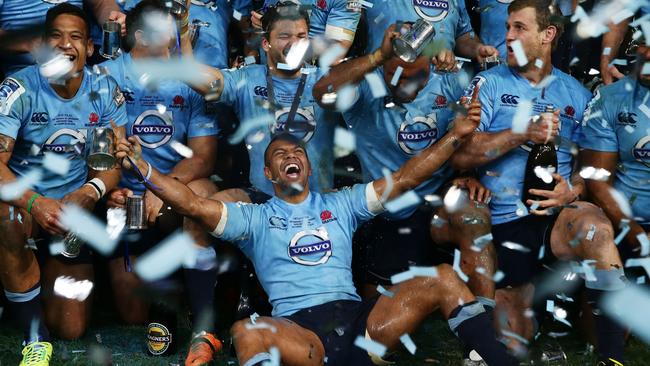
(199, 284)
(27, 313)
(610, 335)
(488, 306)
(472, 325)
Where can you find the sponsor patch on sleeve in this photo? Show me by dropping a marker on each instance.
(10, 91)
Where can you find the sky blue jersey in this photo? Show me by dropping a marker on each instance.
(617, 122)
(172, 112)
(388, 137)
(501, 91)
(449, 18)
(332, 18)
(19, 14)
(302, 253)
(42, 122)
(212, 18)
(246, 90)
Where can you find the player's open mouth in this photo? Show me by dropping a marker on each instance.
(292, 170)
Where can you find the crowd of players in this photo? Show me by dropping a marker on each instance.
(423, 132)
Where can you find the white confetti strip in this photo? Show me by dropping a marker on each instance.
(388, 176)
(332, 54)
(539, 63)
(639, 262)
(261, 325)
(249, 60)
(254, 317)
(396, 76)
(481, 242)
(370, 346)
(345, 142)
(597, 174)
(520, 54)
(248, 126)
(544, 174)
(385, 292)
(346, 96)
(275, 357)
(418, 271)
(545, 82)
(408, 343)
(296, 54)
(645, 70)
(521, 119)
(181, 149)
(401, 277)
(69, 288)
(237, 15)
(515, 246)
(457, 268)
(625, 306)
(376, 85)
(454, 199)
(607, 51)
(15, 189)
(514, 335)
(404, 201)
(621, 201)
(92, 231)
(166, 257)
(498, 276)
(645, 244)
(591, 232)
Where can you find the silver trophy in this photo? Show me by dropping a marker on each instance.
(111, 39)
(71, 245)
(410, 44)
(177, 8)
(489, 62)
(135, 219)
(100, 156)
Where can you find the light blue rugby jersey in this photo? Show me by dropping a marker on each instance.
(34, 115)
(494, 14)
(616, 122)
(327, 15)
(172, 112)
(246, 91)
(211, 46)
(19, 14)
(388, 137)
(302, 253)
(449, 18)
(501, 90)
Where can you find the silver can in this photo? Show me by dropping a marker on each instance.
(111, 39)
(100, 154)
(135, 213)
(490, 62)
(410, 44)
(71, 245)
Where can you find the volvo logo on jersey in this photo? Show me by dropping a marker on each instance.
(303, 125)
(66, 140)
(153, 129)
(432, 10)
(641, 151)
(310, 247)
(418, 134)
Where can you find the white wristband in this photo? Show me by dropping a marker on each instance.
(99, 186)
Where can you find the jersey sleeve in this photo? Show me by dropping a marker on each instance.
(114, 109)
(486, 96)
(341, 22)
(361, 202)
(596, 132)
(464, 24)
(233, 79)
(237, 222)
(200, 123)
(13, 109)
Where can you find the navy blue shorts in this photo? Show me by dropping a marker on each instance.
(521, 266)
(385, 247)
(337, 324)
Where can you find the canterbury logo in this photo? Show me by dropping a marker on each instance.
(39, 117)
(509, 99)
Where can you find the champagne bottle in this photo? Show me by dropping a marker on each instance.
(543, 156)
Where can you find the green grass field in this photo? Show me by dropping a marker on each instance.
(105, 343)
